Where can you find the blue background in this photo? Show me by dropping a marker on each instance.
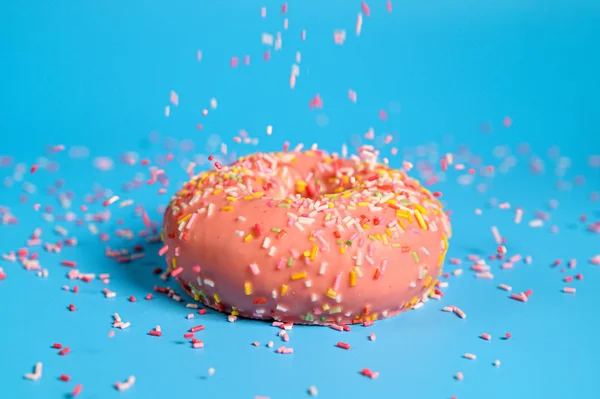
(98, 74)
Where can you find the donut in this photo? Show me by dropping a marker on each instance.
(306, 237)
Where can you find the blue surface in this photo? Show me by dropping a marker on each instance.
(98, 74)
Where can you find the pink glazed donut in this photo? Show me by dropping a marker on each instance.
(306, 238)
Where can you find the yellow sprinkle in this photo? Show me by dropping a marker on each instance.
(235, 313)
(352, 278)
(306, 254)
(231, 199)
(421, 209)
(414, 301)
(445, 241)
(298, 276)
(420, 220)
(174, 263)
(258, 194)
(248, 197)
(401, 223)
(365, 226)
(217, 299)
(342, 249)
(428, 281)
(313, 252)
(331, 293)
(218, 191)
(325, 306)
(248, 288)
(227, 208)
(346, 179)
(388, 232)
(378, 237)
(385, 240)
(330, 205)
(185, 218)
(248, 237)
(363, 204)
(402, 213)
(283, 290)
(441, 258)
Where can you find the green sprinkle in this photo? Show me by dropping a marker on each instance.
(328, 216)
(348, 243)
(415, 256)
(283, 205)
(290, 261)
(335, 310)
(275, 229)
(340, 242)
(371, 237)
(309, 317)
(395, 245)
(323, 319)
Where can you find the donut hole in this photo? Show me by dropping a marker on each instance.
(323, 184)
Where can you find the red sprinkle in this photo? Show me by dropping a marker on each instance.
(343, 345)
(132, 299)
(77, 390)
(64, 351)
(65, 378)
(72, 307)
(197, 328)
(148, 297)
(68, 263)
(155, 333)
(508, 335)
(57, 346)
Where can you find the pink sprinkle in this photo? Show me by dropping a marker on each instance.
(174, 98)
(569, 290)
(163, 250)
(505, 287)
(486, 336)
(389, 6)
(507, 122)
(234, 62)
(176, 272)
(459, 376)
(352, 95)
(519, 297)
(372, 337)
(254, 268)
(365, 9)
